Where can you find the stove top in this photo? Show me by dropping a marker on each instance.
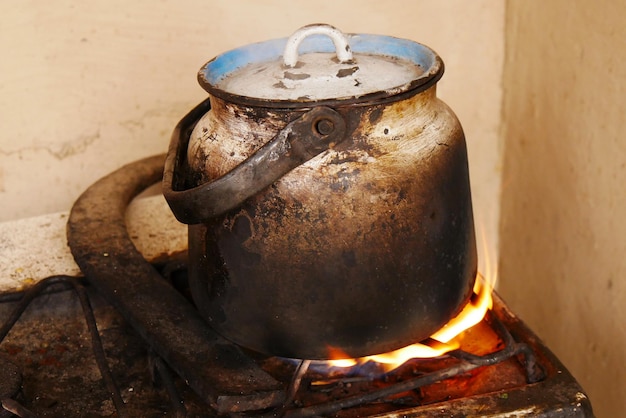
(55, 364)
(51, 348)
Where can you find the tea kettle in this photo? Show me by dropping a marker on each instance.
(327, 194)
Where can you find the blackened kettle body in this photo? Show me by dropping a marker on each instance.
(327, 194)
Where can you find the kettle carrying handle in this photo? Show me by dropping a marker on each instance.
(300, 140)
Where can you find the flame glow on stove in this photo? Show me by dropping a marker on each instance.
(442, 341)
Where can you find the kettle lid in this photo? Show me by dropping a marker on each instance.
(319, 63)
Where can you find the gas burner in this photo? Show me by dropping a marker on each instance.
(329, 390)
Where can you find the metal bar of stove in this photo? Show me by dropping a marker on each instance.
(534, 371)
(16, 409)
(214, 368)
(164, 374)
(98, 349)
(334, 406)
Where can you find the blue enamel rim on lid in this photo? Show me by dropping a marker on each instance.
(231, 61)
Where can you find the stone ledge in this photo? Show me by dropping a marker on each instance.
(34, 248)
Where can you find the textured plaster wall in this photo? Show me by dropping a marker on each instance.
(88, 86)
(563, 229)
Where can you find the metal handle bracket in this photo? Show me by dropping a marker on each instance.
(299, 141)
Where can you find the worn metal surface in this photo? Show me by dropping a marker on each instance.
(96, 342)
(367, 247)
(51, 346)
(216, 369)
(11, 378)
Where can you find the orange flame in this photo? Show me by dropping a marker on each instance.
(444, 340)
(394, 359)
(341, 359)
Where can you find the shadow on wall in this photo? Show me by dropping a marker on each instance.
(562, 233)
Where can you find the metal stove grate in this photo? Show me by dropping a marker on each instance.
(225, 380)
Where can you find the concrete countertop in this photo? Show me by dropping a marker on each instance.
(34, 248)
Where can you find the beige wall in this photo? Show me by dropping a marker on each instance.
(88, 86)
(563, 230)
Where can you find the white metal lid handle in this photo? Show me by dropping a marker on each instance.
(290, 55)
